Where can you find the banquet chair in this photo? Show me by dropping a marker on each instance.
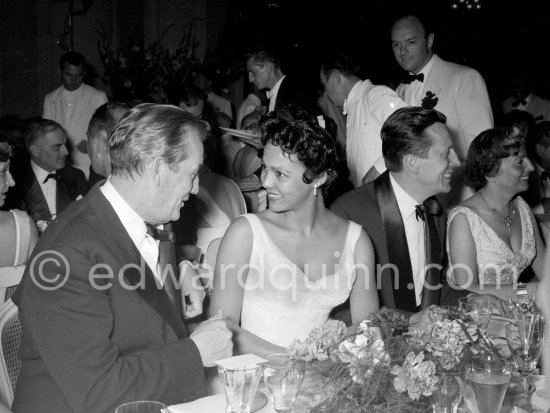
(10, 277)
(10, 335)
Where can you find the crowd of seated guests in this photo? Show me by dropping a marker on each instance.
(495, 236)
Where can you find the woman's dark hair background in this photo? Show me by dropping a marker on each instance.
(296, 134)
(486, 153)
(6, 147)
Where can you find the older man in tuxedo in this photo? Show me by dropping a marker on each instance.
(400, 213)
(264, 70)
(98, 302)
(46, 185)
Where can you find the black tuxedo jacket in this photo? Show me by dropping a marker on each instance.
(70, 184)
(293, 94)
(374, 206)
(89, 347)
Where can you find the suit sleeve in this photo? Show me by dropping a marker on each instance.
(72, 326)
(473, 106)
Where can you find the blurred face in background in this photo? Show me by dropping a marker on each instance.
(72, 76)
(195, 108)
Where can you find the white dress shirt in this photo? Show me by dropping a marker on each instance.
(413, 91)
(414, 231)
(49, 189)
(134, 225)
(272, 94)
(367, 107)
(73, 110)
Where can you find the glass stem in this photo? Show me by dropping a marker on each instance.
(526, 392)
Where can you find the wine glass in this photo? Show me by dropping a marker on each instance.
(525, 340)
(488, 378)
(478, 311)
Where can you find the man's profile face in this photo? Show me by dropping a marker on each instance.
(435, 170)
(175, 186)
(50, 151)
(333, 90)
(72, 76)
(258, 74)
(411, 47)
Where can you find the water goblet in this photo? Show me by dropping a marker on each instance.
(446, 397)
(240, 385)
(525, 340)
(142, 407)
(283, 378)
(478, 311)
(488, 378)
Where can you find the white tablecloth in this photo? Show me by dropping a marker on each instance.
(210, 404)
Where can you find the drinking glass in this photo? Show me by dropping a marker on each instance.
(446, 397)
(240, 385)
(525, 339)
(283, 378)
(478, 311)
(142, 407)
(488, 378)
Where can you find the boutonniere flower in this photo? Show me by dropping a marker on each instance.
(430, 100)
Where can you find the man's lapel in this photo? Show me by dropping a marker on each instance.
(396, 287)
(36, 201)
(153, 294)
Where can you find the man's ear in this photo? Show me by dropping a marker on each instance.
(34, 150)
(158, 171)
(430, 40)
(337, 76)
(539, 149)
(410, 163)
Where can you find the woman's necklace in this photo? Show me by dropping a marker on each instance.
(508, 218)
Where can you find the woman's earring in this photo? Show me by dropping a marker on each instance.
(315, 190)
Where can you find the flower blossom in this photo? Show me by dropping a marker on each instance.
(416, 376)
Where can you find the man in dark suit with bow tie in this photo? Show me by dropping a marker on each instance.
(99, 301)
(400, 213)
(46, 185)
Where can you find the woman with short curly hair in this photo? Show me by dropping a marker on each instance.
(493, 237)
(279, 273)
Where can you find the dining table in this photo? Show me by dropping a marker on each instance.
(216, 403)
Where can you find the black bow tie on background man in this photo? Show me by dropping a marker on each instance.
(424, 212)
(53, 176)
(409, 78)
(167, 259)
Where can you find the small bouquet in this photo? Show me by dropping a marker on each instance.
(381, 368)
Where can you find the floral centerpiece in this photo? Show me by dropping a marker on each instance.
(380, 368)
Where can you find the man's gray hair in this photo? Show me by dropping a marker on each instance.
(151, 132)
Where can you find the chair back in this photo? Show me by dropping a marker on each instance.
(10, 363)
(10, 277)
(246, 162)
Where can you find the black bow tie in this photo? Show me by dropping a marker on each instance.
(52, 176)
(544, 175)
(159, 234)
(516, 103)
(409, 78)
(429, 206)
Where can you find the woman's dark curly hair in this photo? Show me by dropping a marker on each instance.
(487, 151)
(6, 147)
(297, 134)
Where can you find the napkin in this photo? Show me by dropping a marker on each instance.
(245, 361)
